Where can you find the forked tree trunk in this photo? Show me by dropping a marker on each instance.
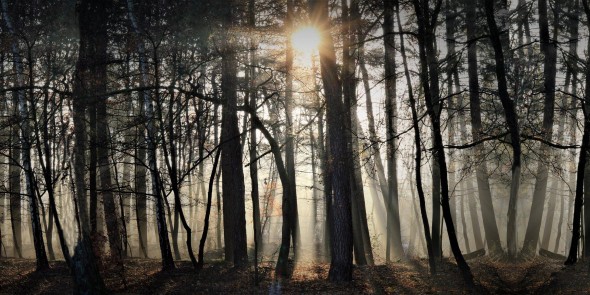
(429, 81)
(417, 153)
(483, 184)
(549, 49)
(511, 121)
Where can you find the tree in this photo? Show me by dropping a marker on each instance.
(234, 216)
(341, 219)
(394, 241)
(511, 121)
(549, 49)
(483, 184)
(25, 140)
(429, 78)
(150, 137)
(93, 34)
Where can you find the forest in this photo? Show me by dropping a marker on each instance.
(294, 146)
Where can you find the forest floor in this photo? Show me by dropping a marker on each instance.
(536, 276)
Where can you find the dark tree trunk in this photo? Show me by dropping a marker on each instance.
(429, 79)
(140, 184)
(418, 153)
(511, 121)
(483, 184)
(25, 144)
(361, 237)
(234, 215)
(251, 100)
(106, 186)
(341, 219)
(14, 186)
(150, 137)
(93, 34)
(207, 212)
(289, 135)
(579, 195)
(549, 49)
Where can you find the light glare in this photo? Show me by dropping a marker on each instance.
(306, 40)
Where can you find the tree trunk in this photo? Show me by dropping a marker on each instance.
(207, 211)
(578, 199)
(289, 133)
(429, 79)
(511, 121)
(464, 195)
(560, 222)
(106, 186)
(549, 49)
(394, 249)
(473, 214)
(341, 219)
(234, 215)
(361, 238)
(418, 153)
(148, 109)
(251, 100)
(483, 184)
(549, 216)
(14, 185)
(23, 115)
(140, 184)
(92, 22)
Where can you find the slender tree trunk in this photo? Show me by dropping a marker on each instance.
(251, 99)
(324, 156)
(282, 267)
(148, 108)
(561, 218)
(429, 79)
(418, 153)
(23, 115)
(548, 227)
(394, 249)
(373, 138)
(578, 199)
(14, 185)
(483, 184)
(464, 195)
(549, 49)
(207, 211)
(141, 192)
(92, 185)
(359, 220)
(289, 135)
(473, 214)
(511, 121)
(46, 161)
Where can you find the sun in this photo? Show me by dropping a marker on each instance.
(306, 40)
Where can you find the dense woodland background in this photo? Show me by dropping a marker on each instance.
(288, 132)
